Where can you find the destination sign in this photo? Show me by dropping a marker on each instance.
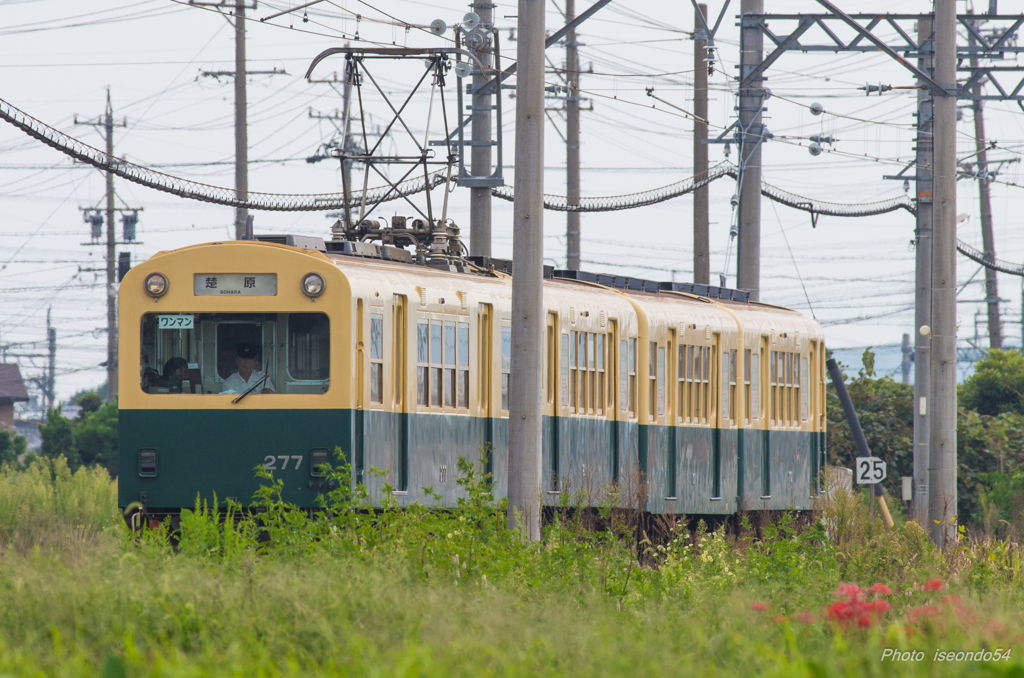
(235, 284)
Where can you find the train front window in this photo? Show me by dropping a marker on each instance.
(210, 353)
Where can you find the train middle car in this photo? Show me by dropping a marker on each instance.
(716, 403)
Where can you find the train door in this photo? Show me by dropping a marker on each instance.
(812, 398)
(399, 370)
(360, 384)
(551, 406)
(485, 353)
(716, 417)
(614, 397)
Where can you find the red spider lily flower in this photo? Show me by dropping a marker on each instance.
(880, 589)
(779, 619)
(805, 617)
(922, 612)
(932, 585)
(759, 607)
(864, 619)
(878, 606)
(952, 600)
(851, 591)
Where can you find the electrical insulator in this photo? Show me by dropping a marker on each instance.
(124, 263)
(128, 222)
(95, 221)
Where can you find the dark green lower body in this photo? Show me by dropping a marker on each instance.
(695, 471)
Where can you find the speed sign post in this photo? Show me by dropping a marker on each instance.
(870, 470)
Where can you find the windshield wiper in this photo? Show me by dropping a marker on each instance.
(252, 388)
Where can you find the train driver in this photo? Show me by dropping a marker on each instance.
(247, 376)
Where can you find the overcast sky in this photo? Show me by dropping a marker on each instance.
(854, 275)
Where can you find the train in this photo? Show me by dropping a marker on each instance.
(276, 351)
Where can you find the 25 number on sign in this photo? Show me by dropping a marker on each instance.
(870, 470)
(270, 462)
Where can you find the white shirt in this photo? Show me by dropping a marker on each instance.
(238, 385)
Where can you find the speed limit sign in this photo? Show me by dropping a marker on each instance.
(870, 470)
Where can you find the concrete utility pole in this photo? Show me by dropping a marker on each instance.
(51, 366)
(923, 278)
(525, 389)
(701, 239)
(572, 142)
(942, 504)
(748, 247)
(241, 122)
(906, 352)
(480, 155)
(995, 329)
(107, 124)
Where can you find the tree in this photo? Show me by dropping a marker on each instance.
(886, 412)
(58, 436)
(997, 384)
(96, 437)
(12, 446)
(89, 402)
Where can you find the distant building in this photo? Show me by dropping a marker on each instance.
(12, 390)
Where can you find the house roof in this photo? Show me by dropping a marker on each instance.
(12, 387)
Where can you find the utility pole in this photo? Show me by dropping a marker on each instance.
(701, 238)
(241, 107)
(51, 367)
(751, 97)
(942, 491)
(241, 122)
(108, 125)
(572, 142)
(480, 154)
(995, 330)
(525, 394)
(923, 277)
(906, 352)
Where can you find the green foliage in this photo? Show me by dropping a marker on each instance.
(886, 412)
(89, 402)
(96, 436)
(12, 446)
(59, 438)
(89, 440)
(375, 588)
(997, 385)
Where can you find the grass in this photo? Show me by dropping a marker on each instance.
(427, 593)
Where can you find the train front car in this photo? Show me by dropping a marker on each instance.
(239, 347)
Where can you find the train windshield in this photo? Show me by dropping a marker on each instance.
(204, 353)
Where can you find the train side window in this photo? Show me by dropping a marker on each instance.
(422, 363)
(732, 382)
(376, 358)
(599, 357)
(623, 376)
(463, 361)
(803, 389)
(725, 386)
(661, 381)
(436, 362)
(572, 372)
(632, 377)
(564, 369)
(652, 379)
(773, 398)
(581, 355)
(506, 364)
(449, 364)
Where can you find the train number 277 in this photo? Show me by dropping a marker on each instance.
(270, 462)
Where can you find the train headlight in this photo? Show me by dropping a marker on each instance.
(156, 285)
(313, 285)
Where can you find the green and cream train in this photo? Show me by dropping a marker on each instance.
(276, 351)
